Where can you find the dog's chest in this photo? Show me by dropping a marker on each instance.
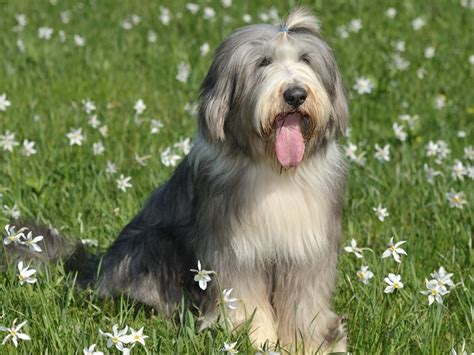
(283, 219)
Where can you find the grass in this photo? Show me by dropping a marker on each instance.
(68, 186)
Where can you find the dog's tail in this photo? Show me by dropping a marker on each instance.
(53, 247)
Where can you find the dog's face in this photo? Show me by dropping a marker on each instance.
(274, 92)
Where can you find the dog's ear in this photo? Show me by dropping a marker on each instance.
(338, 120)
(217, 92)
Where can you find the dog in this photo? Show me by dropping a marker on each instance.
(258, 200)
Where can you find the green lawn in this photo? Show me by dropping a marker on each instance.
(46, 82)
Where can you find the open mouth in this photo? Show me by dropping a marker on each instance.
(289, 139)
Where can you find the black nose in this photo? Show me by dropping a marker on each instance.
(295, 96)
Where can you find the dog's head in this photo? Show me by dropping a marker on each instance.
(274, 91)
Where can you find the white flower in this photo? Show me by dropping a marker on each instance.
(470, 5)
(430, 173)
(13, 212)
(442, 277)
(165, 15)
(62, 36)
(394, 283)
(137, 336)
(461, 134)
(169, 158)
(418, 23)
(31, 242)
(13, 236)
(399, 132)
(364, 274)
(228, 301)
(184, 145)
(91, 350)
(192, 8)
(430, 52)
(98, 148)
(391, 12)
(152, 36)
(350, 150)
(79, 41)
(354, 249)
(204, 49)
(88, 106)
(440, 101)
(443, 151)
(399, 63)
(8, 142)
(226, 3)
(355, 25)
(90, 242)
(141, 160)
(183, 72)
(209, 13)
(469, 152)
(136, 19)
(118, 338)
(123, 183)
(45, 33)
(20, 45)
(458, 170)
(456, 199)
(470, 172)
(111, 168)
(104, 130)
(25, 274)
(382, 154)
(363, 86)
(75, 137)
(14, 333)
(94, 122)
(155, 126)
(399, 46)
(394, 250)
(342, 32)
(435, 291)
(126, 24)
(202, 276)
(21, 20)
(420, 73)
(247, 19)
(139, 107)
(4, 103)
(431, 149)
(471, 59)
(28, 148)
(191, 108)
(381, 212)
(462, 351)
(65, 16)
(230, 348)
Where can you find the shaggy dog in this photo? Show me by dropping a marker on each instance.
(258, 200)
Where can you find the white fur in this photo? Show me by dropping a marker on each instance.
(287, 215)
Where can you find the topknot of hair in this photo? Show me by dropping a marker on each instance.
(301, 20)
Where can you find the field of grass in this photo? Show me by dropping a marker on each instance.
(421, 64)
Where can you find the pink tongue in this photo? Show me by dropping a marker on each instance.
(289, 144)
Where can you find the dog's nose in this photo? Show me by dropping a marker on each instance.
(295, 96)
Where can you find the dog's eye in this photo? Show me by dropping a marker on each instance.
(305, 59)
(264, 62)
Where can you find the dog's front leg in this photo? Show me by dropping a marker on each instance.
(302, 301)
(252, 291)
